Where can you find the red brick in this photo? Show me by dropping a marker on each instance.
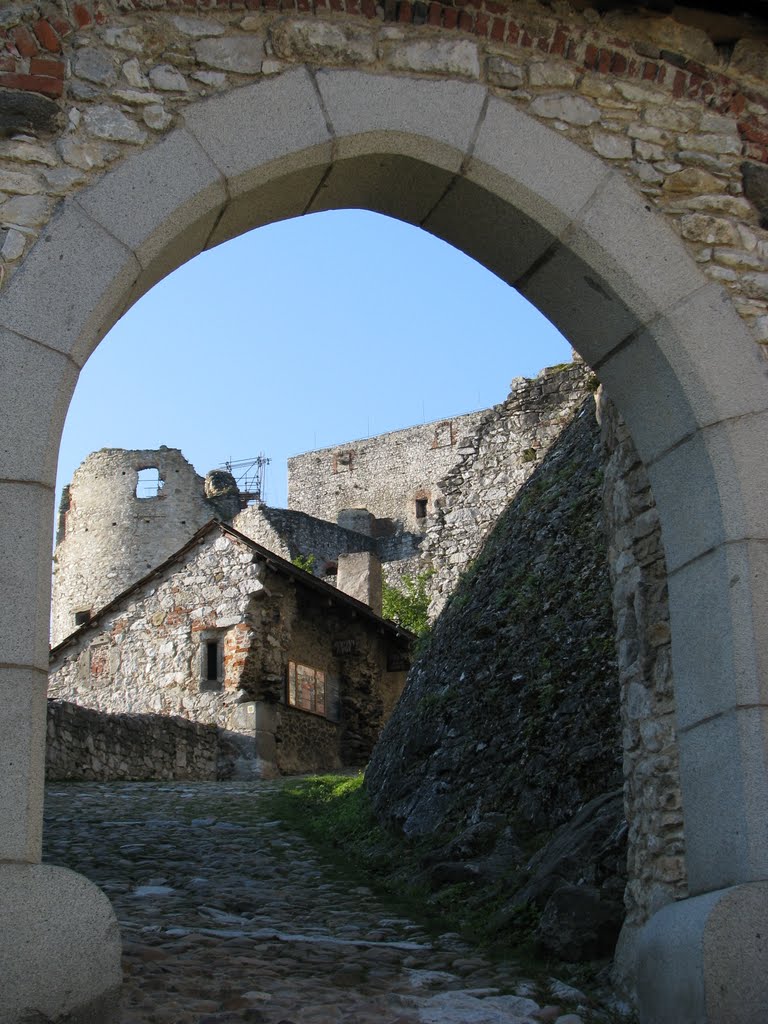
(604, 62)
(559, 39)
(450, 17)
(353, 7)
(494, 8)
(83, 17)
(752, 132)
(570, 50)
(662, 74)
(8, 63)
(618, 64)
(47, 36)
(526, 40)
(63, 28)
(737, 104)
(25, 42)
(497, 30)
(46, 66)
(650, 70)
(368, 8)
(32, 83)
(465, 21)
(678, 86)
(481, 25)
(513, 33)
(591, 56)
(434, 16)
(405, 12)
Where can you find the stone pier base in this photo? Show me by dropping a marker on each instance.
(704, 960)
(59, 948)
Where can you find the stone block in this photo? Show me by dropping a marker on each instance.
(32, 414)
(724, 780)
(59, 947)
(481, 224)
(323, 42)
(433, 56)
(430, 121)
(523, 161)
(632, 252)
(26, 529)
(241, 54)
(22, 742)
(705, 960)
(72, 286)
(243, 133)
(161, 203)
(711, 488)
(719, 639)
(388, 184)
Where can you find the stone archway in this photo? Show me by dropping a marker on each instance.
(550, 219)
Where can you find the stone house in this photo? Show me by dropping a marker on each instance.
(301, 674)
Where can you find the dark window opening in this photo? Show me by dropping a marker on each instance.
(421, 508)
(211, 665)
(331, 569)
(82, 616)
(212, 661)
(149, 483)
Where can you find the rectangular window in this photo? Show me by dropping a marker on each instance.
(306, 688)
(421, 508)
(211, 663)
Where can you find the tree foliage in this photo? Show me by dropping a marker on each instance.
(408, 606)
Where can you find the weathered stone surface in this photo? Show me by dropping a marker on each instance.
(95, 66)
(324, 42)
(26, 111)
(26, 211)
(564, 107)
(197, 27)
(110, 123)
(612, 146)
(27, 152)
(697, 227)
(751, 57)
(19, 183)
(167, 79)
(85, 154)
(551, 74)
(455, 57)
(242, 55)
(755, 178)
(693, 180)
(504, 72)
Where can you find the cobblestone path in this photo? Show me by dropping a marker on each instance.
(227, 918)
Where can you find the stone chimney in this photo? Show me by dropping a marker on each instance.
(359, 575)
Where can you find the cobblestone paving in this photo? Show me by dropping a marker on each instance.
(226, 917)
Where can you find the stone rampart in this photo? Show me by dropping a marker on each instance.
(393, 475)
(493, 463)
(83, 744)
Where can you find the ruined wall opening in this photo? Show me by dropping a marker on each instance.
(149, 483)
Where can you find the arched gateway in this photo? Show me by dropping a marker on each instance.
(459, 157)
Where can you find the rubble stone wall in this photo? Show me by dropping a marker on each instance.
(83, 744)
(493, 464)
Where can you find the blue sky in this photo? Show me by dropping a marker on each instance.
(302, 335)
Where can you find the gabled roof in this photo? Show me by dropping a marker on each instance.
(273, 562)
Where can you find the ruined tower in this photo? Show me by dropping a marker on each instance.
(123, 514)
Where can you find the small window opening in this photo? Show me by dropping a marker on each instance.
(211, 665)
(149, 483)
(82, 616)
(421, 508)
(211, 661)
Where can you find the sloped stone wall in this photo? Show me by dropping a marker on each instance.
(510, 442)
